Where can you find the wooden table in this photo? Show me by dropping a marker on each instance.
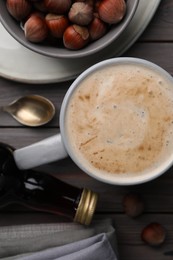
(156, 45)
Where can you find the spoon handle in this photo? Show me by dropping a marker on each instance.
(2, 109)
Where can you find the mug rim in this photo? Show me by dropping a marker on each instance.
(111, 178)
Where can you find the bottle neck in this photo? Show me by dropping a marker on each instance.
(44, 192)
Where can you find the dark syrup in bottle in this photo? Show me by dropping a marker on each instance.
(43, 192)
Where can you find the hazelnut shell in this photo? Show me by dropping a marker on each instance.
(153, 234)
(133, 204)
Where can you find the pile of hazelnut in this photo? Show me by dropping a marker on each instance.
(154, 234)
(75, 23)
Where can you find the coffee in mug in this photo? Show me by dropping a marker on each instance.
(116, 121)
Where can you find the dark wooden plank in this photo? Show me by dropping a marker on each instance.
(156, 45)
(130, 244)
(160, 28)
(19, 137)
(159, 53)
(144, 253)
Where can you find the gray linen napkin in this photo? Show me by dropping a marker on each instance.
(63, 241)
(94, 248)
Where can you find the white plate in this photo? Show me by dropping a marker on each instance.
(22, 65)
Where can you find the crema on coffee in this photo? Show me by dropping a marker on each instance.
(120, 120)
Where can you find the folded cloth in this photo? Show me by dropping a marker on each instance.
(94, 248)
(63, 241)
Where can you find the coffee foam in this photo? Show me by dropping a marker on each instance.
(120, 120)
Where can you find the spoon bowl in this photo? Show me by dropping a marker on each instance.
(33, 110)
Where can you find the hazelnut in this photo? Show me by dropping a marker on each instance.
(56, 24)
(35, 29)
(19, 9)
(112, 11)
(97, 28)
(57, 6)
(153, 234)
(75, 37)
(89, 19)
(133, 204)
(81, 13)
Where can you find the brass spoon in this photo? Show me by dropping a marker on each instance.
(31, 110)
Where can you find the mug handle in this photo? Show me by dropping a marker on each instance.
(48, 150)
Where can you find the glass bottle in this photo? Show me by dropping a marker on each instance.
(43, 192)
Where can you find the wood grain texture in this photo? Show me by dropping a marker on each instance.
(156, 45)
(160, 27)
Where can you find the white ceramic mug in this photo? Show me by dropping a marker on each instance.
(128, 120)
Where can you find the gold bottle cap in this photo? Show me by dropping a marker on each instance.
(86, 207)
